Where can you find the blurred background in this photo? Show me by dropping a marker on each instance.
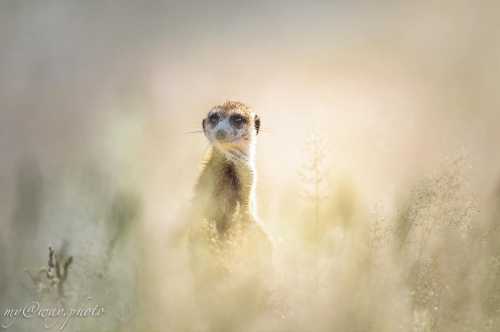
(391, 107)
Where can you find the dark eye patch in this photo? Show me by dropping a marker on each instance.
(237, 120)
(213, 118)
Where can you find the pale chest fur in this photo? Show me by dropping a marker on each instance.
(224, 191)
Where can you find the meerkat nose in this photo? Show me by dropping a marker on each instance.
(220, 134)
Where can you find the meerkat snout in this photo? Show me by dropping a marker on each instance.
(221, 135)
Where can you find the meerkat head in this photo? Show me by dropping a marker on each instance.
(232, 128)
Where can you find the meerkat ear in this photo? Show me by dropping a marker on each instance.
(203, 124)
(257, 123)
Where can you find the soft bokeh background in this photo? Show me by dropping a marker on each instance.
(97, 97)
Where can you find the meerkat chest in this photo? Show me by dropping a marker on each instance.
(227, 184)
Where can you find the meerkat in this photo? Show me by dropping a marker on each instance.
(224, 195)
(230, 253)
(225, 191)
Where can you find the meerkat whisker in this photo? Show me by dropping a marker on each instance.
(194, 132)
(238, 155)
(241, 152)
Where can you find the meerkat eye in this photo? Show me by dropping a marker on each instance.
(213, 118)
(237, 120)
